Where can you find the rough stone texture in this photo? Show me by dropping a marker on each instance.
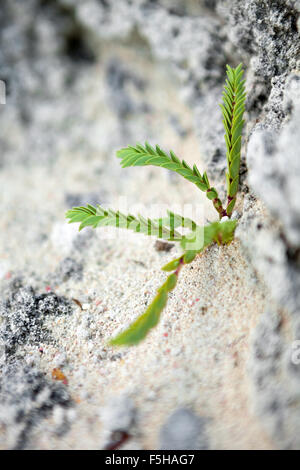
(196, 54)
(23, 313)
(68, 268)
(184, 430)
(119, 414)
(276, 381)
(274, 167)
(267, 32)
(83, 78)
(27, 398)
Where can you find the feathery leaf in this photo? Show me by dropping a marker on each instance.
(97, 216)
(233, 108)
(147, 155)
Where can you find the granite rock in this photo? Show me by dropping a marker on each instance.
(28, 398)
(184, 430)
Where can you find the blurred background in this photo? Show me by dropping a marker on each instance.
(79, 80)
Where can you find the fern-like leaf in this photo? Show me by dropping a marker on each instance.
(233, 108)
(147, 155)
(99, 217)
(175, 220)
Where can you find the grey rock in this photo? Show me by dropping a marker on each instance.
(274, 171)
(189, 45)
(267, 345)
(119, 414)
(276, 396)
(23, 313)
(265, 34)
(198, 58)
(82, 240)
(266, 31)
(265, 248)
(69, 268)
(184, 430)
(119, 79)
(40, 48)
(27, 398)
(79, 199)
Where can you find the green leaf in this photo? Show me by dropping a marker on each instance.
(172, 265)
(230, 206)
(235, 167)
(189, 256)
(92, 220)
(173, 221)
(233, 108)
(197, 172)
(139, 329)
(144, 323)
(88, 216)
(234, 186)
(147, 155)
(237, 131)
(211, 193)
(236, 149)
(170, 283)
(202, 186)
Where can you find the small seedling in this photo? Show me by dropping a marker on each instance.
(199, 238)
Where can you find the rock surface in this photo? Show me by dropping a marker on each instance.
(184, 430)
(82, 79)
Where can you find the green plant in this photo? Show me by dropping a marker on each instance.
(199, 238)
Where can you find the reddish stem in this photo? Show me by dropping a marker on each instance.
(181, 263)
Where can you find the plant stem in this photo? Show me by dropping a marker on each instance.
(216, 202)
